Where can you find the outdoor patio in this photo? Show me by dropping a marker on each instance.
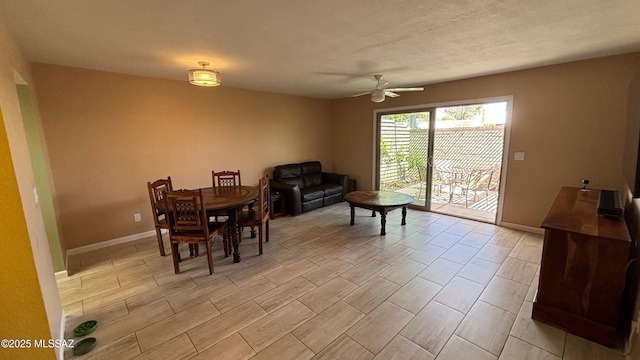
(465, 166)
(481, 207)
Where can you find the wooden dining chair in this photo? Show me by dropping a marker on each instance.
(157, 191)
(259, 214)
(222, 179)
(226, 178)
(188, 223)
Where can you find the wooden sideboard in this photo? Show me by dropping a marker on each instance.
(582, 272)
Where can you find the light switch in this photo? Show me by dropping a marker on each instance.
(519, 155)
(137, 217)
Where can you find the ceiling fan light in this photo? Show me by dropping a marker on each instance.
(377, 95)
(204, 77)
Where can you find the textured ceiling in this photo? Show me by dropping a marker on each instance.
(325, 49)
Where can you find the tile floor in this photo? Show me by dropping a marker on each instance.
(438, 288)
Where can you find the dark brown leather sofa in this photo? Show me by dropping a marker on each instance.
(306, 187)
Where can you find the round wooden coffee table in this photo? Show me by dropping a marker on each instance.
(380, 201)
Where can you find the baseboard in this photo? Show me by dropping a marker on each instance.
(530, 229)
(103, 244)
(61, 274)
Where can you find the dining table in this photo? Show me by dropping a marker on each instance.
(232, 199)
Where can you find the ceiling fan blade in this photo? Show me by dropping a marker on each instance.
(382, 85)
(364, 93)
(406, 89)
(391, 94)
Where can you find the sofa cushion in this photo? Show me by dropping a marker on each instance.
(311, 173)
(330, 189)
(312, 179)
(287, 171)
(290, 174)
(311, 167)
(311, 193)
(332, 199)
(293, 181)
(313, 204)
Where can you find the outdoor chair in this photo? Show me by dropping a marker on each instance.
(440, 179)
(477, 181)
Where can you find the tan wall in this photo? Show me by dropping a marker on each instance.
(569, 119)
(30, 305)
(108, 134)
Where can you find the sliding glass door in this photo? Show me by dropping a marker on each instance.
(403, 152)
(448, 158)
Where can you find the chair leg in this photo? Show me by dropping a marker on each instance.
(209, 257)
(194, 250)
(226, 242)
(175, 255)
(177, 251)
(260, 240)
(267, 230)
(224, 246)
(160, 243)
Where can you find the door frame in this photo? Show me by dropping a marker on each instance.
(376, 166)
(375, 158)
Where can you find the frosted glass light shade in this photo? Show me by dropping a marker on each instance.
(204, 77)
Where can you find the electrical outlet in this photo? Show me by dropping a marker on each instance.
(137, 217)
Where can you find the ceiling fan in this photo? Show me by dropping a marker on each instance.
(378, 94)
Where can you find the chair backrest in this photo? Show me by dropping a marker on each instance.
(495, 178)
(480, 179)
(263, 198)
(157, 195)
(442, 176)
(226, 178)
(187, 213)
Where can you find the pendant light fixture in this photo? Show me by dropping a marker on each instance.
(204, 77)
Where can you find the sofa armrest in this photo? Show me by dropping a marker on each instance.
(340, 179)
(293, 199)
